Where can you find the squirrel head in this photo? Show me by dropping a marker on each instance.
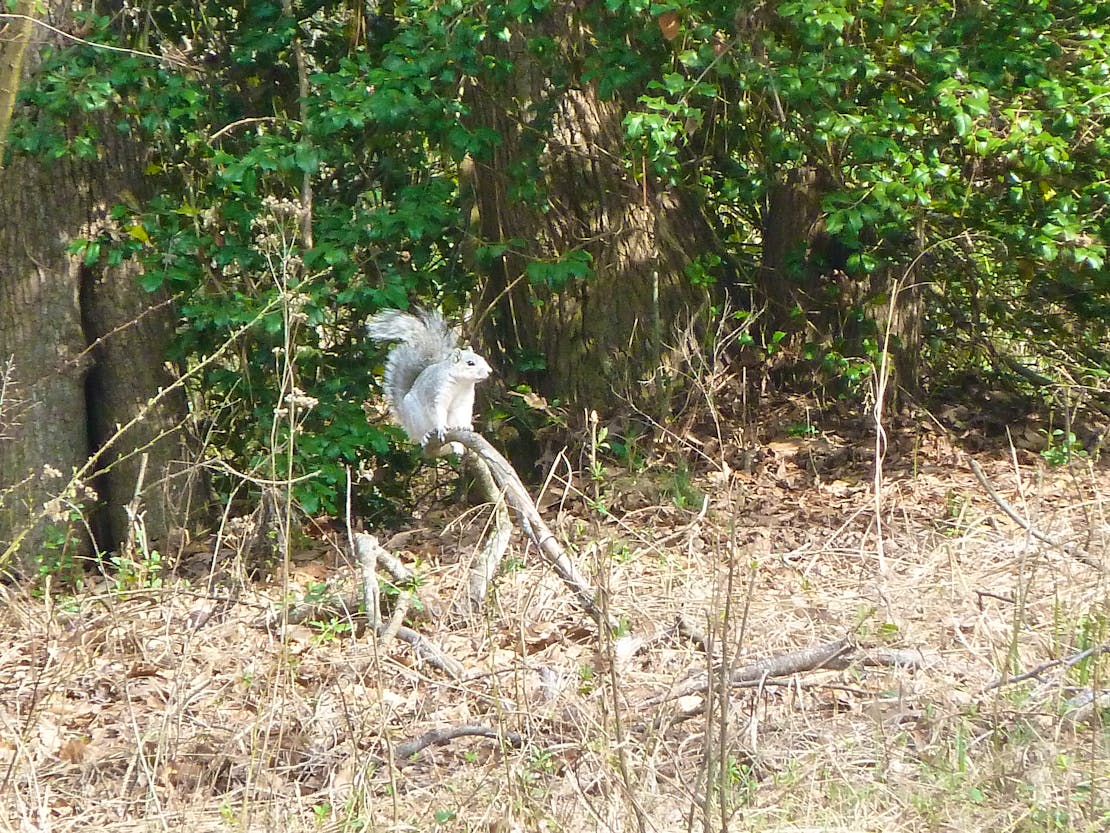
(469, 365)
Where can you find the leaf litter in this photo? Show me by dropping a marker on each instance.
(178, 707)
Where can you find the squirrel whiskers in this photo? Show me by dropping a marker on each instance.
(429, 380)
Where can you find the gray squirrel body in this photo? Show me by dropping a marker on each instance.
(429, 379)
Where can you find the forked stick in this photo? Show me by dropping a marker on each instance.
(532, 523)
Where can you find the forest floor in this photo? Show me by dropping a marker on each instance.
(971, 693)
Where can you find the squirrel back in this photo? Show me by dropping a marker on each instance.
(425, 339)
(429, 380)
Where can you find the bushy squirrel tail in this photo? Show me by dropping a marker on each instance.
(425, 339)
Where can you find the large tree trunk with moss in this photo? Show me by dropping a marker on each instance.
(571, 201)
(15, 40)
(86, 395)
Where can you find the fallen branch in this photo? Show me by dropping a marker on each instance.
(370, 554)
(423, 648)
(489, 559)
(402, 753)
(1083, 558)
(831, 656)
(794, 662)
(1066, 662)
(346, 605)
(400, 611)
(782, 665)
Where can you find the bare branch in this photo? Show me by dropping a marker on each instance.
(170, 59)
(1081, 557)
(436, 737)
(531, 521)
(1066, 662)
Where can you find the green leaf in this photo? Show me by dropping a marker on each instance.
(634, 125)
(306, 158)
(674, 83)
(92, 253)
(151, 281)
(962, 122)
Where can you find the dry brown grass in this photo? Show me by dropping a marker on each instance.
(177, 708)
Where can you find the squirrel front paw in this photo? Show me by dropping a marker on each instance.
(438, 434)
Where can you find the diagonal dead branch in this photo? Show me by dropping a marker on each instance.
(781, 665)
(369, 554)
(424, 649)
(436, 737)
(1065, 662)
(832, 656)
(530, 520)
(1081, 557)
(489, 559)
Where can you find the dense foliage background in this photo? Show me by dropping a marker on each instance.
(933, 171)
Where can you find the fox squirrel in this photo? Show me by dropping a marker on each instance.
(429, 380)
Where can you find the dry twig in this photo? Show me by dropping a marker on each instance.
(1081, 557)
(1066, 662)
(832, 656)
(436, 737)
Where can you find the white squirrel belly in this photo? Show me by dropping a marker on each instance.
(460, 409)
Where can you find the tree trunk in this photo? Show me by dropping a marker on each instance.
(15, 38)
(898, 314)
(82, 348)
(604, 340)
(791, 223)
(809, 295)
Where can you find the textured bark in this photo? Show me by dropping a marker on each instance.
(43, 431)
(791, 224)
(808, 294)
(600, 338)
(85, 356)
